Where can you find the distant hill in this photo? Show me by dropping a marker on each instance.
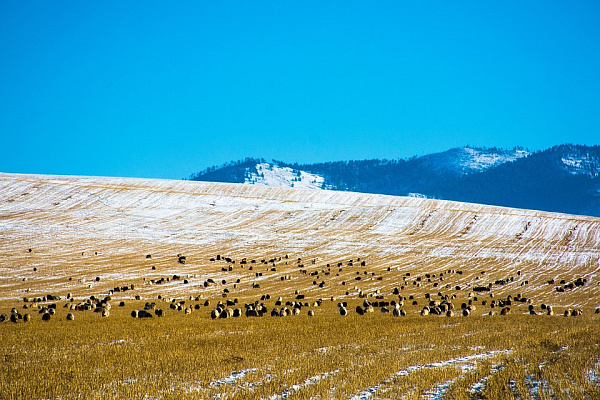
(564, 178)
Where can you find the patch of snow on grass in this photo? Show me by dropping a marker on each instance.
(438, 392)
(453, 361)
(592, 375)
(231, 379)
(309, 381)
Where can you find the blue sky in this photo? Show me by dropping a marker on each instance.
(165, 89)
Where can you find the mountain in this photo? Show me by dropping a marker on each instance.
(563, 178)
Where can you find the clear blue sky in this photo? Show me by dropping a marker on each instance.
(164, 89)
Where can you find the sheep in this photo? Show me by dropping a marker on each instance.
(105, 312)
(159, 312)
(311, 313)
(46, 317)
(343, 311)
(505, 311)
(449, 313)
(466, 312)
(216, 313)
(251, 311)
(385, 310)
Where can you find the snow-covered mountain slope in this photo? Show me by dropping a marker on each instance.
(581, 164)
(465, 160)
(84, 227)
(265, 174)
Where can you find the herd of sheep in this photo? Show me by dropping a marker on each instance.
(434, 304)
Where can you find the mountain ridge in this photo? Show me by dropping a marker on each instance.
(564, 178)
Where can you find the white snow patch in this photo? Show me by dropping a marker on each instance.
(592, 375)
(419, 196)
(453, 361)
(231, 379)
(581, 165)
(309, 381)
(272, 175)
(438, 392)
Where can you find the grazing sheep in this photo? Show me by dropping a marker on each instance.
(158, 312)
(466, 312)
(343, 311)
(425, 311)
(385, 310)
(567, 313)
(105, 312)
(216, 313)
(70, 316)
(134, 314)
(360, 310)
(237, 312)
(505, 311)
(46, 317)
(549, 310)
(144, 314)
(449, 313)
(311, 313)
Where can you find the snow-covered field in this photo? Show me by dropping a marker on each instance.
(59, 216)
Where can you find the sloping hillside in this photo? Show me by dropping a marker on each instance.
(87, 226)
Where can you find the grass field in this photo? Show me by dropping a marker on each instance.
(81, 239)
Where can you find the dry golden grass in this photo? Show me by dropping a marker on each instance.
(79, 229)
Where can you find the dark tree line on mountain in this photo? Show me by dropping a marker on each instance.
(233, 172)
